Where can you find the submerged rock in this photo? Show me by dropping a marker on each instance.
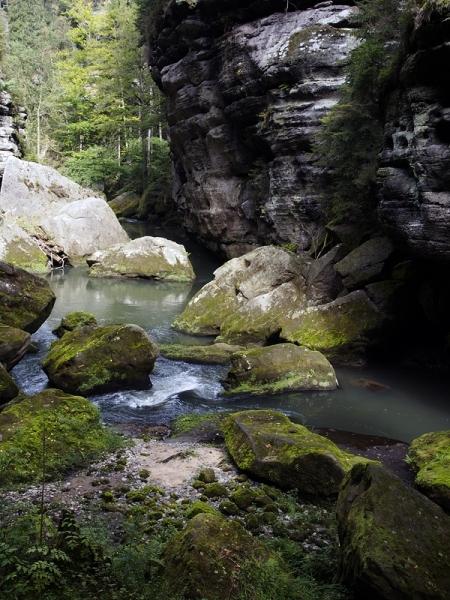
(206, 558)
(8, 387)
(147, 257)
(269, 446)
(98, 359)
(394, 541)
(19, 248)
(74, 320)
(279, 368)
(26, 301)
(249, 297)
(214, 354)
(72, 428)
(429, 455)
(14, 343)
(339, 329)
(126, 205)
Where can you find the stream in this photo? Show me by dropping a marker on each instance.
(413, 402)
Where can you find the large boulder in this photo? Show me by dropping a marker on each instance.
(269, 446)
(74, 320)
(339, 329)
(57, 209)
(126, 205)
(364, 262)
(429, 455)
(98, 359)
(249, 297)
(213, 354)
(26, 301)
(14, 343)
(147, 257)
(204, 561)
(394, 540)
(70, 425)
(279, 368)
(8, 387)
(19, 248)
(83, 227)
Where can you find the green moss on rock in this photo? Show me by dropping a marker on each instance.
(74, 320)
(206, 559)
(89, 360)
(429, 455)
(338, 328)
(14, 343)
(70, 426)
(199, 507)
(213, 354)
(26, 300)
(394, 541)
(279, 368)
(269, 446)
(8, 387)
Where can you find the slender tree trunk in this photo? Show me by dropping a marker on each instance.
(38, 133)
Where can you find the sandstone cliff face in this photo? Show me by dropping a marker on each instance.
(11, 120)
(247, 86)
(414, 177)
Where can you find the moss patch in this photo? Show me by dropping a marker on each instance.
(66, 428)
(277, 369)
(8, 387)
(429, 455)
(14, 343)
(269, 446)
(89, 360)
(213, 354)
(74, 320)
(26, 301)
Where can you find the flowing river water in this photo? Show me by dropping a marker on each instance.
(412, 402)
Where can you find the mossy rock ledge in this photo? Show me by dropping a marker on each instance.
(8, 387)
(146, 257)
(269, 446)
(26, 300)
(429, 455)
(14, 343)
(72, 429)
(277, 369)
(98, 359)
(206, 558)
(74, 320)
(394, 541)
(213, 354)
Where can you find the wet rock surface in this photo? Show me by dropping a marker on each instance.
(14, 343)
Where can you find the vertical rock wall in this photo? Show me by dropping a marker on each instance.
(247, 86)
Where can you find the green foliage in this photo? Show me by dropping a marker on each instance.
(352, 132)
(92, 167)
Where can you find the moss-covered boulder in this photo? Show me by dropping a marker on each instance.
(269, 446)
(126, 204)
(394, 541)
(14, 343)
(70, 425)
(213, 354)
(26, 301)
(8, 387)
(146, 257)
(277, 369)
(90, 360)
(74, 320)
(206, 559)
(249, 297)
(19, 248)
(429, 455)
(339, 329)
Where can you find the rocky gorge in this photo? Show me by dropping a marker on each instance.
(182, 425)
